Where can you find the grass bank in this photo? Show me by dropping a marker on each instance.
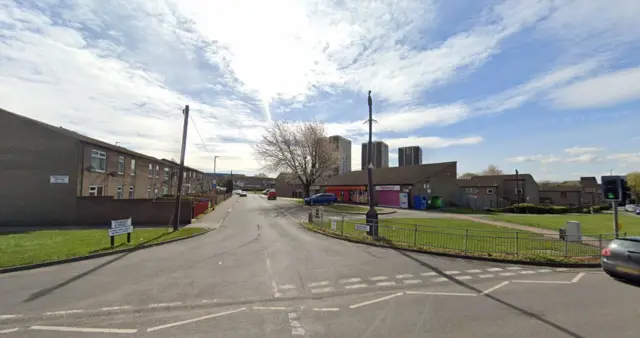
(31, 247)
(590, 223)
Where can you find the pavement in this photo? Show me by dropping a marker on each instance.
(259, 274)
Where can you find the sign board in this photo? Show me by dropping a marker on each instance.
(334, 224)
(404, 200)
(388, 187)
(363, 227)
(120, 227)
(59, 179)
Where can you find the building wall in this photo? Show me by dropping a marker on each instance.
(29, 154)
(101, 210)
(380, 155)
(562, 198)
(409, 156)
(343, 147)
(443, 184)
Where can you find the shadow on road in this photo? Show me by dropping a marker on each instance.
(493, 298)
(43, 292)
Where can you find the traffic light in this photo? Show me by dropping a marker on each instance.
(611, 188)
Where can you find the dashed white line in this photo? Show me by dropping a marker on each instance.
(495, 287)
(82, 329)
(441, 279)
(376, 300)
(356, 286)
(115, 308)
(507, 274)
(325, 309)
(406, 275)
(527, 272)
(577, 278)
(541, 281)
(486, 276)
(296, 327)
(9, 316)
(155, 328)
(329, 289)
(379, 278)
(473, 271)
(349, 280)
(412, 281)
(386, 283)
(428, 274)
(10, 330)
(287, 286)
(494, 269)
(53, 313)
(274, 286)
(562, 269)
(312, 285)
(544, 270)
(514, 268)
(164, 304)
(439, 293)
(463, 277)
(454, 272)
(270, 308)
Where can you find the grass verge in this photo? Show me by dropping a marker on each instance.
(24, 248)
(468, 238)
(351, 208)
(591, 224)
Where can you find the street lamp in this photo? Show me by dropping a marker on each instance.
(372, 214)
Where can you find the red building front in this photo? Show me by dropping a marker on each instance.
(349, 194)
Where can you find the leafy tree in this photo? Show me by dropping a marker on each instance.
(467, 175)
(299, 148)
(633, 181)
(492, 170)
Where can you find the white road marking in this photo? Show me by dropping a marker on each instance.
(507, 274)
(62, 312)
(473, 271)
(356, 286)
(541, 281)
(441, 279)
(514, 268)
(270, 308)
(463, 277)
(296, 327)
(452, 272)
(274, 285)
(544, 270)
(115, 308)
(379, 278)
(165, 304)
(562, 269)
(386, 283)
(10, 330)
(577, 278)
(376, 300)
(287, 286)
(82, 329)
(324, 309)
(349, 280)
(311, 285)
(329, 289)
(9, 316)
(486, 276)
(406, 275)
(527, 272)
(439, 293)
(494, 269)
(495, 287)
(165, 326)
(412, 281)
(428, 274)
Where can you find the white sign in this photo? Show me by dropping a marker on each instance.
(363, 227)
(59, 179)
(388, 187)
(404, 200)
(334, 224)
(121, 226)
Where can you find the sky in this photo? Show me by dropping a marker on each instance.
(550, 88)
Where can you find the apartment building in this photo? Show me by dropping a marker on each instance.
(379, 156)
(409, 156)
(343, 147)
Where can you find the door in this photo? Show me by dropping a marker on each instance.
(388, 198)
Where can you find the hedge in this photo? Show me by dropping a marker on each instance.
(528, 208)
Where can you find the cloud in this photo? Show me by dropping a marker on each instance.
(601, 91)
(534, 158)
(432, 142)
(582, 150)
(585, 158)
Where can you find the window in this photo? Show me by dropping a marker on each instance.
(132, 190)
(99, 160)
(155, 191)
(121, 165)
(471, 190)
(489, 191)
(150, 170)
(96, 190)
(133, 167)
(563, 194)
(184, 175)
(519, 191)
(119, 192)
(166, 173)
(149, 191)
(157, 170)
(165, 190)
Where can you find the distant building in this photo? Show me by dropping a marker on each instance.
(343, 147)
(379, 156)
(409, 156)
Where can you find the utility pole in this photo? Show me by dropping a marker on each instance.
(372, 214)
(517, 186)
(214, 165)
(176, 218)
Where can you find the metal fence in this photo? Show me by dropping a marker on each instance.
(467, 241)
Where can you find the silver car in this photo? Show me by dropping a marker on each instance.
(621, 258)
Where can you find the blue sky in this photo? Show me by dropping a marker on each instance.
(546, 87)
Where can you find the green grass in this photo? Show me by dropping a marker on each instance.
(590, 224)
(464, 211)
(350, 208)
(48, 245)
(464, 236)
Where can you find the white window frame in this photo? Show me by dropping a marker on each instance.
(100, 156)
(133, 167)
(490, 191)
(167, 173)
(471, 190)
(165, 190)
(150, 170)
(121, 165)
(132, 191)
(93, 190)
(149, 191)
(119, 192)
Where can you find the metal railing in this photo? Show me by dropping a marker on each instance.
(467, 241)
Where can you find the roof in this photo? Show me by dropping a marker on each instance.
(491, 180)
(391, 176)
(560, 187)
(178, 164)
(589, 182)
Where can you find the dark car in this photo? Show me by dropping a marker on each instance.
(621, 258)
(321, 199)
(271, 195)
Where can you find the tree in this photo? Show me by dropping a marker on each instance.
(261, 175)
(633, 181)
(467, 176)
(301, 149)
(492, 170)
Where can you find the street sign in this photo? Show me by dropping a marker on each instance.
(363, 227)
(121, 227)
(59, 179)
(334, 224)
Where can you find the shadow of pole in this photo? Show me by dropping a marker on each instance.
(46, 291)
(491, 297)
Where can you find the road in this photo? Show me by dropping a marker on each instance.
(261, 275)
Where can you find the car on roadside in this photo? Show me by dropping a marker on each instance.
(271, 195)
(321, 199)
(242, 193)
(621, 258)
(631, 208)
(266, 191)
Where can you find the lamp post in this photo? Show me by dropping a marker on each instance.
(372, 214)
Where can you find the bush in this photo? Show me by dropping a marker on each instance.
(528, 208)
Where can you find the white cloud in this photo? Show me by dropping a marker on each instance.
(601, 91)
(626, 157)
(582, 150)
(534, 158)
(432, 142)
(585, 158)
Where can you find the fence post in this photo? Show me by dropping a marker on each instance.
(415, 234)
(517, 244)
(566, 246)
(342, 226)
(600, 243)
(466, 238)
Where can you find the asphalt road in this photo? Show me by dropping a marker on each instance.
(262, 275)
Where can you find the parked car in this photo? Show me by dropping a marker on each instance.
(631, 208)
(320, 199)
(242, 193)
(621, 258)
(266, 191)
(271, 195)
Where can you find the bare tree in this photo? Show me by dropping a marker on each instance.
(492, 170)
(467, 176)
(261, 175)
(301, 149)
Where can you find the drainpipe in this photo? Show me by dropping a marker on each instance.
(82, 170)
